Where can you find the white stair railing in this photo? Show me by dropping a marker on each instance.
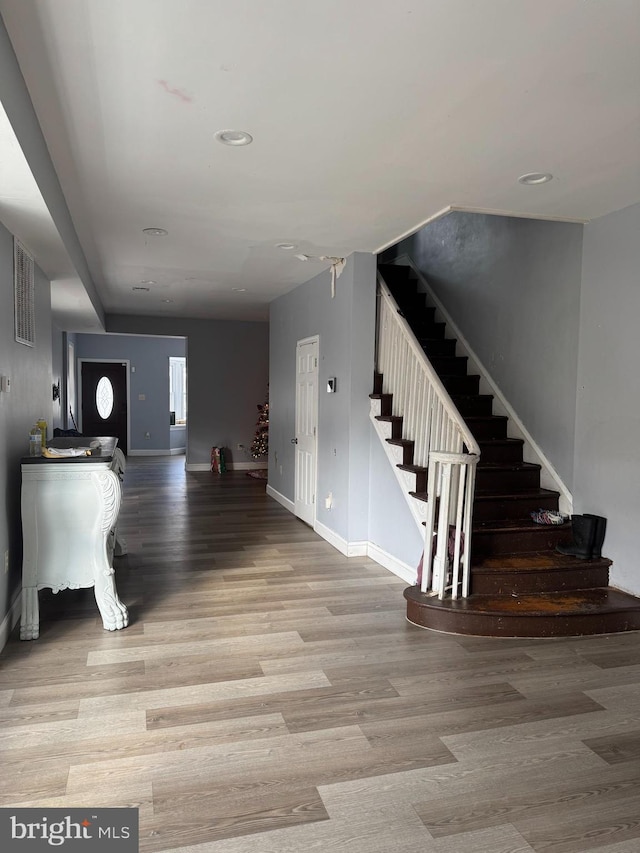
(443, 445)
(446, 563)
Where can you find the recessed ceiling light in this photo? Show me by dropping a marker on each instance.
(233, 137)
(167, 300)
(155, 232)
(239, 289)
(147, 281)
(534, 178)
(139, 287)
(287, 247)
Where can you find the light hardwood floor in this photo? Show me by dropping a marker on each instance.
(269, 697)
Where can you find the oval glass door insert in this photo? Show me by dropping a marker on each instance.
(104, 397)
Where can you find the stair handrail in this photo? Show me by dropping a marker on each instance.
(439, 433)
(387, 300)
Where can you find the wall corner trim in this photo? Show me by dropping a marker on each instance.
(363, 548)
(397, 567)
(285, 502)
(349, 549)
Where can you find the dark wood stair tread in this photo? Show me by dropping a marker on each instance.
(407, 448)
(386, 400)
(533, 561)
(536, 572)
(499, 442)
(534, 494)
(517, 524)
(600, 610)
(508, 466)
(456, 396)
(483, 418)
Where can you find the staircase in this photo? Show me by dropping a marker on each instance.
(519, 585)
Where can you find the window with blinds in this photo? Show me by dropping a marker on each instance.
(24, 295)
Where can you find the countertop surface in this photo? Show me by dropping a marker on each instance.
(104, 453)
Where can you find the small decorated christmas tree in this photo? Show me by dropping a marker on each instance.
(260, 445)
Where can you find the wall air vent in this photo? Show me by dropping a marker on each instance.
(24, 295)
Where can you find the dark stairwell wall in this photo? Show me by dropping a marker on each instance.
(513, 288)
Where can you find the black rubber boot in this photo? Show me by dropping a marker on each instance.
(601, 528)
(583, 528)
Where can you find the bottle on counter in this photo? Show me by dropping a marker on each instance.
(35, 441)
(42, 424)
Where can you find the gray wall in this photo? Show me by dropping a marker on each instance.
(177, 437)
(345, 326)
(30, 397)
(227, 377)
(607, 455)
(513, 288)
(58, 373)
(149, 376)
(391, 525)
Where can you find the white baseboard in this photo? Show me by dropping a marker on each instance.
(349, 549)
(388, 561)
(231, 466)
(10, 620)
(353, 549)
(166, 452)
(285, 502)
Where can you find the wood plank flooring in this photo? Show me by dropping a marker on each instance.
(269, 696)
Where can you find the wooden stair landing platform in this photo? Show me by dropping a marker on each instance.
(551, 614)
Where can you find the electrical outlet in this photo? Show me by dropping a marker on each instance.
(6, 561)
(328, 501)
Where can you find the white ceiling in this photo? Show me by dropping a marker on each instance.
(368, 117)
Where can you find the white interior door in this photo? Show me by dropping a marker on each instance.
(306, 428)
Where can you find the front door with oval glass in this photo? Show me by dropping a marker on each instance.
(104, 400)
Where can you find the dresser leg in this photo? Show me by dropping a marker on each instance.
(30, 619)
(114, 613)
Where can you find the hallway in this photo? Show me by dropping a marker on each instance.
(267, 685)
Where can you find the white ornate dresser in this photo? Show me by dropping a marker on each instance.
(70, 509)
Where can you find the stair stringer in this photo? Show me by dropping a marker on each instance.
(532, 452)
(405, 479)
